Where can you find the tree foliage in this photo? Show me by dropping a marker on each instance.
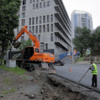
(25, 43)
(82, 39)
(95, 39)
(8, 22)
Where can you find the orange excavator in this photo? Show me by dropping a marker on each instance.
(31, 56)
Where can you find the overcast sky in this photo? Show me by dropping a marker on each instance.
(91, 6)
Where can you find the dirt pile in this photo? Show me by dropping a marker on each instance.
(39, 85)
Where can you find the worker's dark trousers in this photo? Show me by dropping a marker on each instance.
(94, 80)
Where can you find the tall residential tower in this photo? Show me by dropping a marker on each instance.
(81, 19)
(49, 21)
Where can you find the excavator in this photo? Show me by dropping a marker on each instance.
(31, 56)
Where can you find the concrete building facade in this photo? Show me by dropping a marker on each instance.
(81, 19)
(49, 21)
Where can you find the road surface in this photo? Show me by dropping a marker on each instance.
(76, 71)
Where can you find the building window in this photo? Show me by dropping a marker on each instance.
(23, 14)
(47, 18)
(51, 36)
(51, 18)
(51, 27)
(43, 28)
(44, 5)
(30, 1)
(33, 20)
(33, 0)
(23, 8)
(43, 19)
(37, 0)
(37, 6)
(47, 27)
(42, 46)
(23, 22)
(40, 19)
(36, 29)
(48, 3)
(39, 37)
(40, 29)
(24, 2)
(33, 29)
(33, 6)
(36, 20)
(46, 46)
(29, 21)
(40, 5)
(30, 28)
(18, 14)
(22, 38)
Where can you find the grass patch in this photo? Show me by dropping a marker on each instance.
(9, 91)
(17, 70)
(80, 59)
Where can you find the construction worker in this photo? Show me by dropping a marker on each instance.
(94, 72)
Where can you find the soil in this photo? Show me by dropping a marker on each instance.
(40, 85)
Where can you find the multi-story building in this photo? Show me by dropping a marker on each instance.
(81, 19)
(49, 21)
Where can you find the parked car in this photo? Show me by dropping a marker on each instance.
(59, 62)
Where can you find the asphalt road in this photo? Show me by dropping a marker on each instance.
(76, 71)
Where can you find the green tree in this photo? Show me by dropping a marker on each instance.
(82, 39)
(95, 39)
(8, 22)
(25, 43)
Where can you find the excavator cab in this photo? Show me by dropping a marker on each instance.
(28, 52)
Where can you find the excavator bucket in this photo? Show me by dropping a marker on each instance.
(16, 44)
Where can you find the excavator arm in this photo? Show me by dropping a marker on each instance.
(31, 36)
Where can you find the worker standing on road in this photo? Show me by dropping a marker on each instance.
(94, 72)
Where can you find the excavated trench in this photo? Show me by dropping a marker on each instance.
(40, 85)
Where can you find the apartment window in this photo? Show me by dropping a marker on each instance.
(48, 3)
(33, 6)
(37, 6)
(51, 18)
(40, 5)
(36, 29)
(22, 38)
(33, 20)
(23, 14)
(40, 29)
(30, 1)
(33, 29)
(47, 18)
(23, 22)
(33, 0)
(43, 19)
(30, 28)
(51, 27)
(24, 2)
(42, 46)
(39, 37)
(44, 5)
(46, 46)
(23, 8)
(51, 36)
(29, 21)
(40, 19)
(43, 28)
(37, 0)
(47, 27)
(36, 20)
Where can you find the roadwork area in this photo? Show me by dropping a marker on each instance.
(39, 85)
